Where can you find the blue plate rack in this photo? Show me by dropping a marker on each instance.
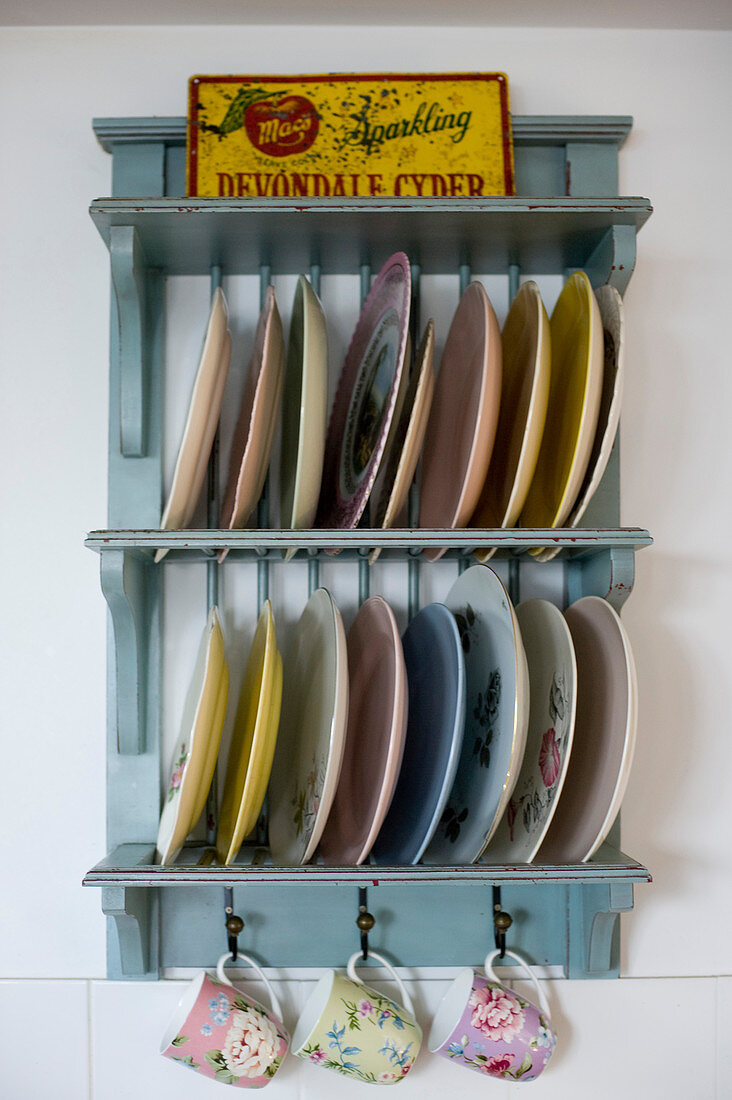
(159, 917)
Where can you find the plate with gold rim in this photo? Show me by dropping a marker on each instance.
(253, 740)
(195, 756)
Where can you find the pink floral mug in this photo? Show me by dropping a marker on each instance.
(222, 1033)
(488, 1028)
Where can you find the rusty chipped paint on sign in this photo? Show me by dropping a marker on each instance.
(350, 136)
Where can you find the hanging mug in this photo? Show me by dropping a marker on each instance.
(223, 1033)
(350, 1028)
(486, 1027)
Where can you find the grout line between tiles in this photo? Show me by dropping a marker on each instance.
(89, 1033)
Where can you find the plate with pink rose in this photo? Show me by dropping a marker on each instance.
(552, 708)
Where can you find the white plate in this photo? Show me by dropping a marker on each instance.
(195, 757)
(203, 416)
(553, 683)
(312, 734)
(497, 715)
(604, 736)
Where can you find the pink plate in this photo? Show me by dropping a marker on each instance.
(377, 725)
(366, 396)
(462, 423)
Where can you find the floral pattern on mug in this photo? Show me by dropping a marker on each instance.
(498, 1013)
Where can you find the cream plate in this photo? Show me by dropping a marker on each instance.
(253, 740)
(573, 408)
(553, 687)
(203, 417)
(195, 757)
(309, 752)
(463, 418)
(612, 312)
(377, 724)
(604, 736)
(252, 443)
(526, 345)
(497, 715)
(304, 411)
(391, 489)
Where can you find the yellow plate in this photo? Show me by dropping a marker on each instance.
(195, 756)
(573, 408)
(253, 740)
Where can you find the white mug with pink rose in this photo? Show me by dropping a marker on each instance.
(224, 1034)
(482, 1025)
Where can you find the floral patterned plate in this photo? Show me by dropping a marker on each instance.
(377, 724)
(312, 734)
(366, 397)
(497, 715)
(195, 757)
(604, 736)
(433, 654)
(553, 680)
(253, 740)
(201, 422)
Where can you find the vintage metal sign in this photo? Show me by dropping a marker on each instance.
(350, 136)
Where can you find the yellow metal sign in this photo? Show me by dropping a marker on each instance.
(350, 136)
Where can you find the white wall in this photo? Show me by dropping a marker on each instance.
(640, 1035)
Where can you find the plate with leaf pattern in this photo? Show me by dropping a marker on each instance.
(496, 717)
(553, 680)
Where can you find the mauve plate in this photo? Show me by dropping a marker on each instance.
(366, 397)
(312, 735)
(496, 717)
(433, 655)
(254, 431)
(463, 419)
(377, 723)
(525, 342)
(604, 734)
(552, 709)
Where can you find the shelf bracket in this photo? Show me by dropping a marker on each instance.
(594, 913)
(134, 911)
(128, 280)
(613, 259)
(609, 573)
(124, 584)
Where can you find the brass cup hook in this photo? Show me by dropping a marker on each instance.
(501, 921)
(365, 921)
(234, 924)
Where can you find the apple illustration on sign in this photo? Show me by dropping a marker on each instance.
(281, 127)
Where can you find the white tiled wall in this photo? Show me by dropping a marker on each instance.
(650, 1035)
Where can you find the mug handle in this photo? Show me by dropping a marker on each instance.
(490, 973)
(351, 970)
(274, 1003)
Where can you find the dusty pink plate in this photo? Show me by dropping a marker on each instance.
(252, 443)
(366, 397)
(377, 724)
(462, 423)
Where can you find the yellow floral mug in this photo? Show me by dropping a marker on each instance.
(222, 1033)
(351, 1029)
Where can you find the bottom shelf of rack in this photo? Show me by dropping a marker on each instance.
(564, 916)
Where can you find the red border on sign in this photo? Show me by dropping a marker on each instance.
(334, 78)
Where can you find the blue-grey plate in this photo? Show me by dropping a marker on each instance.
(435, 663)
(496, 721)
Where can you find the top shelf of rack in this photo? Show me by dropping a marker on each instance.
(542, 235)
